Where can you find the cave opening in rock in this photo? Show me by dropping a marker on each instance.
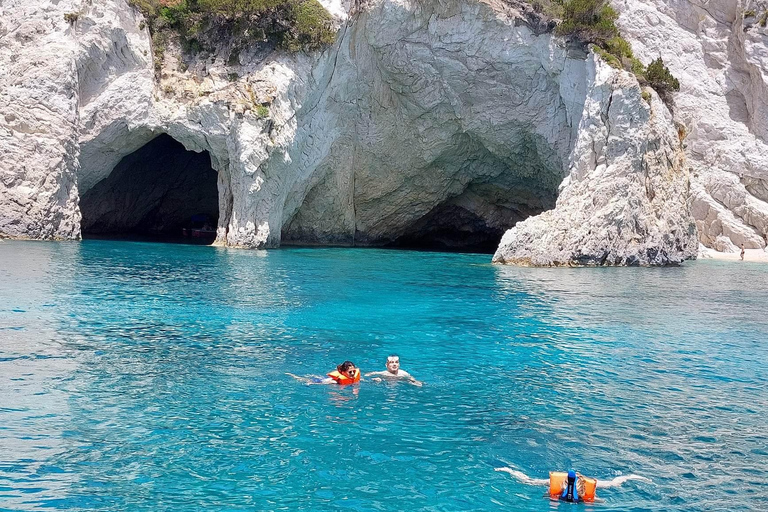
(160, 192)
(476, 220)
(507, 188)
(464, 199)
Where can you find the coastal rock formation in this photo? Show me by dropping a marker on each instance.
(625, 200)
(717, 49)
(438, 122)
(441, 122)
(38, 122)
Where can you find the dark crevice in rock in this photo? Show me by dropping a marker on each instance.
(450, 227)
(476, 220)
(156, 192)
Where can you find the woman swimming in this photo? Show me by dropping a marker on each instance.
(345, 373)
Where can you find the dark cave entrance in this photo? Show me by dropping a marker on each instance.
(451, 228)
(476, 220)
(160, 192)
(508, 187)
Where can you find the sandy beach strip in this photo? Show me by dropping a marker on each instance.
(755, 255)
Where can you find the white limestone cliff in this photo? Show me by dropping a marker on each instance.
(718, 51)
(412, 113)
(625, 201)
(423, 116)
(38, 122)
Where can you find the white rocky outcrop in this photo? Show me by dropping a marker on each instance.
(424, 116)
(625, 200)
(717, 49)
(412, 113)
(38, 121)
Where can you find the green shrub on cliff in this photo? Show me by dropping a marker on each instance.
(591, 21)
(200, 24)
(657, 75)
(311, 26)
(594, 22)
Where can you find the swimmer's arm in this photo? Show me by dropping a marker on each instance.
(312, 380)
(411, 380)
(522, 477)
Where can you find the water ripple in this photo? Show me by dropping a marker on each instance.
(151, 377)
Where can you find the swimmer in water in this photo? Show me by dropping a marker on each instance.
(345, 373)
(394, 372)
(571, 486)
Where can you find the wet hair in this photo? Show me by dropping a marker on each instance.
(345, 366)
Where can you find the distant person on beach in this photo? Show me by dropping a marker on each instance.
(394, 372)
(345, 373)
(742, 251)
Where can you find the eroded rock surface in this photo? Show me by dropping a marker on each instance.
(626, 200)
(440, 121)
(38, 121)
(717, 49)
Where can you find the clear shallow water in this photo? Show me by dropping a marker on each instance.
(137, 376)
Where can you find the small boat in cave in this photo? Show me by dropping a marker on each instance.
(200, 226)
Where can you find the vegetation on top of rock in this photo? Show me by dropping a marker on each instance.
(203, 24)
(657, 75)
(262, 111)
(71, 17)
(593, 22)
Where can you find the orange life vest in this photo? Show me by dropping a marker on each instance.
(342, 379)
(558, 482)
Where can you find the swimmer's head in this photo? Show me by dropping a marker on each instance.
(571, 474)
(347, 368)
(393, 363)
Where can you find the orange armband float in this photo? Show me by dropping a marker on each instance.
(558, 480)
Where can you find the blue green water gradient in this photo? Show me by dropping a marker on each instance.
(151, 377)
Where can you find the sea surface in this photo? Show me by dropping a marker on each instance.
(152, 377)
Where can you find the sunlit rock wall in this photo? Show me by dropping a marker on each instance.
(626, 200)
(423, 117)
(38, 121)
(718, 51)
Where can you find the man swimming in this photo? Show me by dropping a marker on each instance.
(394, 372)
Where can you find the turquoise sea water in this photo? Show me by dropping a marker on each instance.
(148, 377)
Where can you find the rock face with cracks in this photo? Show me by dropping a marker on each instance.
(445, 122)
(718, 51)
(38, 122)
(625, 201)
